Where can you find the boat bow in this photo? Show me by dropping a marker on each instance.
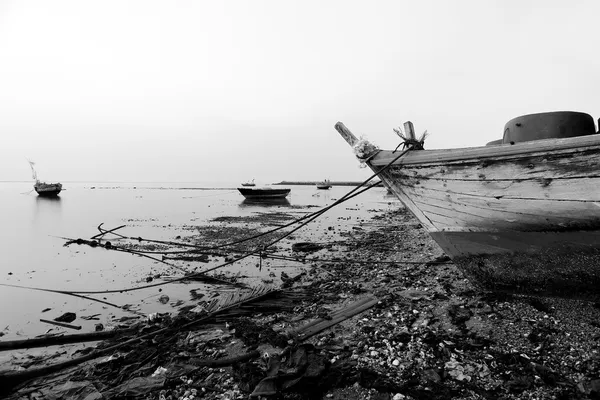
(523, 215)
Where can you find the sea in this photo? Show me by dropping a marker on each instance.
(34, 231)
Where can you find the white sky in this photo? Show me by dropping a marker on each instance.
(234, 90)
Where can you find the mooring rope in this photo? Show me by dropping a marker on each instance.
(309, 218)
(344, 198)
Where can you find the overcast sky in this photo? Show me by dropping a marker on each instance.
(234, 90)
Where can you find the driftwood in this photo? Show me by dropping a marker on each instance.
(62, 339)
(12, 378)
(63, 324)
(318, 325)
(283, 300)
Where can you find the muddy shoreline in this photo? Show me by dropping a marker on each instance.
(428, 334)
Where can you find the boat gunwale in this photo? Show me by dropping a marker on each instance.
(465, 154)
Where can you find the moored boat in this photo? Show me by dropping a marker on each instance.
(47, 189)
(521, 214)
(42, 188)
(264, 193)
(324, 185)
(248, 184)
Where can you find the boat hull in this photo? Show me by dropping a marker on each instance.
(524, 217)
(48, 189)
(257, 194)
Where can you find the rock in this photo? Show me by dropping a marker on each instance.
(164, 299)
(415, 294)
(459, 314)
(66, 317)
(431, 375)
(595, 387)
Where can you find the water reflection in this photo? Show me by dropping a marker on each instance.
(322, 194)
(47, 207)
(265, 203)
(54, 200)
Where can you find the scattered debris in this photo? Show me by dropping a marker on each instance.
(306, 247)
(371, 329)
(66, 317)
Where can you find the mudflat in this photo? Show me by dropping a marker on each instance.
(376, 312)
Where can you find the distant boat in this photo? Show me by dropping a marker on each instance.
(249, 183)
(42, 188)
(324, 185)
(520, 214)
(47, 189)
(264, 193)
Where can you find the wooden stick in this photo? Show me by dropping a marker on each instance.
(63, 324)
(63, 339)
(9, 379)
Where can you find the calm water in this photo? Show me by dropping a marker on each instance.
(33, 255)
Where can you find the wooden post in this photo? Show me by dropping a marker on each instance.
(409, 130)
(346, 134)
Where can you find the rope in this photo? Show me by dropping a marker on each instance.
(344, 198)
(309, 218)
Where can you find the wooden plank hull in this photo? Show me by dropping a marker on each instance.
(47, 189)
(523, 216)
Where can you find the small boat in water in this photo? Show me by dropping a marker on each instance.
(42, 188)
(521, 214)
(248, 184)
(264, 193)
(324, 185)
(47, 189)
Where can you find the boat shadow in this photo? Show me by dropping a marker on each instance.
(265, 203)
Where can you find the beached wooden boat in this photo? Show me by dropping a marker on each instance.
(521, 214)
(249, 184)
(264, 193)
(42, 188)
(324, 185)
